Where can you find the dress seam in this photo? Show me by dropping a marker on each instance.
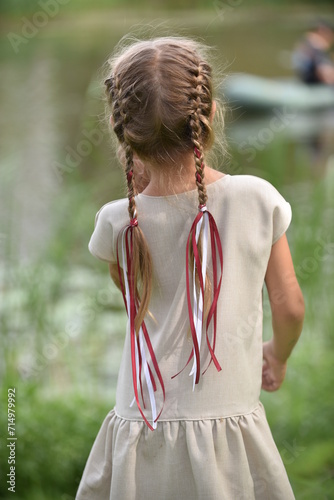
(190, 419)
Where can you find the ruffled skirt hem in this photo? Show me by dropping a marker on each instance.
(212, 459)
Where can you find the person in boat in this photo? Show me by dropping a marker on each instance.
(312, 58)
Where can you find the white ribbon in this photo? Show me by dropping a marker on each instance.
(148, 379)
(198, 304)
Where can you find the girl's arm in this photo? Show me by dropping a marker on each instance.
(287, 307)
(113, 270)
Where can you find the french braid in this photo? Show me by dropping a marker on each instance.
(118, 100)
(142, 262)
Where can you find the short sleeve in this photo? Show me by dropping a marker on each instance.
(101, 241)
(266, 205)
(281, 216)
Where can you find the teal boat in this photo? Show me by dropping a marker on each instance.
(258, 93)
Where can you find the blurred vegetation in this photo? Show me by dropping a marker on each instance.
(26, 6)
(62, 321)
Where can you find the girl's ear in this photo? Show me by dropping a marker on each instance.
(111, 121)
(213, 111)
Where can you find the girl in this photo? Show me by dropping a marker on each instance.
(190, 253)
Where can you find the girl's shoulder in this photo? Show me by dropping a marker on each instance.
(250, 187)
(251, 183)
(112, 209)
(258, 200)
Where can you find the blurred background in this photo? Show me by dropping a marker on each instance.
(62, 321)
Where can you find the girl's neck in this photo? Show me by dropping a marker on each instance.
(164, 181)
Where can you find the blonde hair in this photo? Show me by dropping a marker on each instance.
(160, 95)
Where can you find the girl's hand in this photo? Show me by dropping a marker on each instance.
(273, 370)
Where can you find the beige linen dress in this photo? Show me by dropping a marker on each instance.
(213, 443)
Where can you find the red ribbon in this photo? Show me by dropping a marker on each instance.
(134, 339)
(216, 247)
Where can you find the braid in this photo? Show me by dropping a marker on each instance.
(199, 160)
(118, 102)
(130, 181)
(199, 121)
